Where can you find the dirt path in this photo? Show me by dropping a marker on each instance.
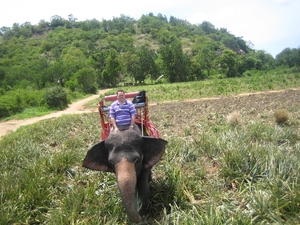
(75, 108)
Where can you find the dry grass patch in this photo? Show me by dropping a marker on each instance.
(281, 116)
(234, 118)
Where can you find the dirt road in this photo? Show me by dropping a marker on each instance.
(75, 108)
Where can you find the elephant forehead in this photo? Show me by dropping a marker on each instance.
(125, 138)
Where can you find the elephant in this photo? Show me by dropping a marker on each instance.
(131, 157)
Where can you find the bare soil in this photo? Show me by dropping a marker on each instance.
(188, 111)
(261, 105)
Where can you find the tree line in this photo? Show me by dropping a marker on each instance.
(89, 54)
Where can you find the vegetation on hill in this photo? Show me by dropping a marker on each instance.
(83, 56)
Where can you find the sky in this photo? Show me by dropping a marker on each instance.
(270, 25)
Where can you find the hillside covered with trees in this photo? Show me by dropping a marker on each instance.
(40, 64)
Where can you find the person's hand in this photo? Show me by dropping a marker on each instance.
(131, 128)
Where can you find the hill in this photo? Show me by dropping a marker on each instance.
(82, 57)
(89, 54)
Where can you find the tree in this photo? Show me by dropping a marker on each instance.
(265, 60)
(41, 66)
(26, 30)
(148, 22)
(71, 21)
(228, 61)
(165, 36)
(174, 62)
(111, 72)
(247, 63)
(288, 57)
(132, 65)
(55, 73)
(206, 55)
(41, 27)
(147, 62)
(6, 32)
(56, 97)
(208, 27)
(73, 60)
(2, 76)
(230, 42)
(57, 21)
(86, 79)
(196, 69)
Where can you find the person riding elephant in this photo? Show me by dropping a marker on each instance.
(131, 157)
(122, 114)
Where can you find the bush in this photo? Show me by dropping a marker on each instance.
(281, 116)
(9, 106)
(15, 101)
(56, 97)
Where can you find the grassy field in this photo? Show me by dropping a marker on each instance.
(219, 167)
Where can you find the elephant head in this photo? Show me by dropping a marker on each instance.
(131, 157)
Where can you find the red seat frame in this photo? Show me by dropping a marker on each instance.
(142, 118)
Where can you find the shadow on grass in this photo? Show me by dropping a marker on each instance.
(162, 195)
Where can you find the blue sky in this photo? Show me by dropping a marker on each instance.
(271, 25)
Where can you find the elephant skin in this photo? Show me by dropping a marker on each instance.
(131, 157)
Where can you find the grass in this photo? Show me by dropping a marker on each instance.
(217, 87)
(212, 172)
(160, 93)
(42, 110)
(29, 113)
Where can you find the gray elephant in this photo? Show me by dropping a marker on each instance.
(131, 157)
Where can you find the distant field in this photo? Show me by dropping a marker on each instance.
(216, 87)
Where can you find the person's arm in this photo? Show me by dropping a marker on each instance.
(112, 115)
(133, 114)
(113, 122)
(132, 122)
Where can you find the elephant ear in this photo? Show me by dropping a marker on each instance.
(97, 158)
(153, 150)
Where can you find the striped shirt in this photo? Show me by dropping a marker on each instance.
(122, 113)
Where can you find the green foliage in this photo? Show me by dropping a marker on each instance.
(228, 62)
(9, 105)
(174, 62)
(205, 56)
(84, 81)
(111, 72)
(16, 101)
(56, 97)
(289, 57)
(50, 51)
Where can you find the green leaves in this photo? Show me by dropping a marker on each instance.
(56, 97)
(111, 72)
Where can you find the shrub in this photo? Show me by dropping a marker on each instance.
(281, 116)
(9, 106)
(56, 97)
(10, 103)
(234, 118)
